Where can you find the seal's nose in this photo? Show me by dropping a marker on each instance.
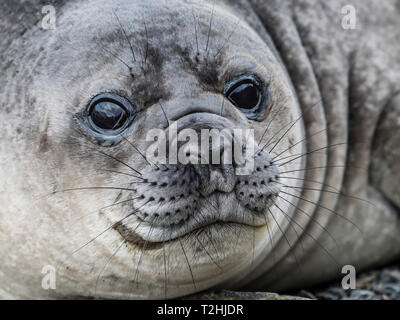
(208, 143)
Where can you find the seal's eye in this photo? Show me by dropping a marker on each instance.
(246, 94)
(107, 117)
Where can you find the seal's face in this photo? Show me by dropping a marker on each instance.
(130, 225)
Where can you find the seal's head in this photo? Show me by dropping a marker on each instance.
(123, 224)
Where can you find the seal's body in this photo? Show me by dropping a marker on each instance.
(77, 103)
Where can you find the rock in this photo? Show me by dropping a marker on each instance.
(372, 285)
(237, 295)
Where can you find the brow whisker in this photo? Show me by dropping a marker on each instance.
(125, 35)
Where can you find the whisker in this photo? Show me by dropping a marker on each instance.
(312, 151)
(165, 267)
(188, 263)
(312, 219)
(119, 172)
(323, 167)
(209, 29)
(270, 122)
(209, 237)
(165, 115)
(227, 39)
(113, 255)
(88, 188)
(104, 231)
(286, 238)
(291, 125)
(114, 55)
(327, 191)
(209, 255)
(142, 252)
(103, 208)
(312, 237)
(195, 32)
(286, 150)
(112, 157)
(125, 35)
(254, 242)
(313, 181)
(100, 234)
(240, 229)
(118, 160)
(323, 207)
(147, 42)
(138, 151)
(291, 225)
(106, 264)
(270, 236)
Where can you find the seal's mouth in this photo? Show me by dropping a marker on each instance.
(217, 209)
(139, 242)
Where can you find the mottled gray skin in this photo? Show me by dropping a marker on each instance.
(214, 228)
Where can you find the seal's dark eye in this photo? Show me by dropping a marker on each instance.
(107, 117)
(246, 94)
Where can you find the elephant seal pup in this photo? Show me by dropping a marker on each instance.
(84, 212)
